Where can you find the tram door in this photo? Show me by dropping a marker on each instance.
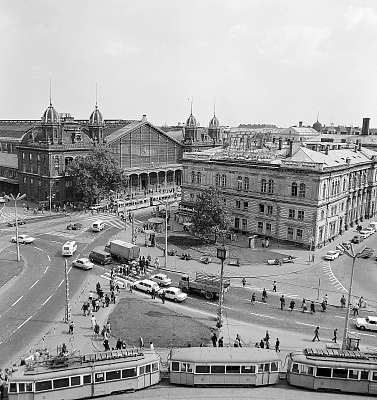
(263, 374)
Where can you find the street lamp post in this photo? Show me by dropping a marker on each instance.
(67, 307)
(15, 199)
(166, 230)
(221, 255)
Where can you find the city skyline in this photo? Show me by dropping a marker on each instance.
(272, 62)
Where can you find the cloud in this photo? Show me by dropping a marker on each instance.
(356, 16)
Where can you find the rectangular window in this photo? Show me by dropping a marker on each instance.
(155, 367)
(300, 215)
(21, 387)
(266, 367)
(295, 367)
(148, 369)
(248, 369)
(99, 377)
(290, 233)
(232, 369)
(260, 368)
(291, 213)
(364, 375)
(268, 228)
(43, 385)
(113, 375)
(75, 380)
(274, 366)
(244, 224)
(245, 205)
(217, 369)
(13, 387)
(87, 379)
(261, 208)
(238, 204)
(142, 370)
(353, 374)
(260, 226)
(237, 223)
(202, 369)
(299, 234)
(29, 386)
(128, 373)
(339, 373)
(374, 376)
(60, 383)
(175, 366)
(269, 210)
(325, 372)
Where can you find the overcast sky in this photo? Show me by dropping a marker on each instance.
(267, 61)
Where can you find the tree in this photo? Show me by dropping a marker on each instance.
(95, 175)
(209, 217)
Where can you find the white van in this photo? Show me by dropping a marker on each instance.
(69, 248)
(98, 226)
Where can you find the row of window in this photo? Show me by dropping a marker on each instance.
(224, 369)
(8, 172)
(265, 209)
(342, 373)
(83, 379)
(243, 224)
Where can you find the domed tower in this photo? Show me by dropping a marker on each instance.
(191, 129)
(214, 129)
(96, 125)
(51, 125)
(317, 125)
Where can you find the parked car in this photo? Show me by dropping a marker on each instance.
(2, 200)
(357, 239)
(346, 245)
(368, 323)
(331, 255)
(83, 263)
(146, 285)
(174, 294)
(161, 279)
(20, 222)
(25, 239)
(364, 233)
(367, 253)
(370, 229)
(74, 227)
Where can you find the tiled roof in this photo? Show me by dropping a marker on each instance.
(9, 160)
(15, 129)
(176, 135)
(304, 130)
(118, 132)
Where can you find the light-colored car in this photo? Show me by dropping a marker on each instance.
(83, 263)
(364, 233)
(174, 294)
(370, 229)
(161, 279)
(369, 323)
(331, 255)
(146, 285)
(25, 239)
(2, 200)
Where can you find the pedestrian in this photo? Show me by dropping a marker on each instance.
(274, 287)
(70, 329)
(243, 282)
(96, 329)
(97, 304)
(238, 339)
(324, 305)
(157, 263)
(253, 298)
(214, 339)
(267, 339)
(355, 310)
(264, 296)
(303, 305)
(292, 305)
(98, 287)
(151, 346)
(326, 299)
(261, 344)
(112, 295)
(106, 345)
(282, 302)
(335, 335)
(107, 300)
(316, 334)
(141, 342)
(343, 301)
(361, 302)
(93, 321)
(277, 345)
(162, 296)
(153, 293)
(83, 308)
(312, 307)
(221, 342)
(119, 344)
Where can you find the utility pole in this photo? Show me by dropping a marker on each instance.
(132, 229)
(18, 197)
(166, 234)
(345, 333)
(221, 254)
(67, 308)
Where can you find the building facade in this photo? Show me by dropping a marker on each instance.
(286, 193)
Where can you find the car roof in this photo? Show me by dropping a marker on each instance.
(371, 318)
(331, 251)
(148, 281)
(174, 289)
(162, 275)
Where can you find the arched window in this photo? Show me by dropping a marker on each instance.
(223, 180)
(193, 177)
(302, 190)
(270, 186)
(264, 186)
(217, 180)
(199, 178)
(246, 183)
(239, 183)
(294, 189)
(324, 191)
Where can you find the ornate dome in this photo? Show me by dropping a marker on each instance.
(191, 122)
(50, 116)
(96, 117)
(214, 123)
(317, 126)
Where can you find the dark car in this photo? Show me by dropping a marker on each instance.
(367, 253)
(99, 256)
(20, 222)
(74, 227)
(356, 239)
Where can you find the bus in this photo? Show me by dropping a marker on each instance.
(90, 375)
(221, 366)
(333, 370)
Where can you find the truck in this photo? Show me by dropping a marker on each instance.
(122, 251)
(206, 285)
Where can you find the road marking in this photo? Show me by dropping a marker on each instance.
(303, 323)
(17, 301)
(47, 267)
(25, 322)
(338, 316)
(31, 287)
(364, 334)
(264, 316)
(54, 241)
(48, 256)
(48, 298)
(61, 283)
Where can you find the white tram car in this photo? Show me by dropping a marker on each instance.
(87, 376)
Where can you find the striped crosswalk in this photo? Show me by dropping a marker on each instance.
(327, 270)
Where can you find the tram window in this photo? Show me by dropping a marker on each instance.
(186, 367)
(232, 369)
(129, 372)
(353, 374)
(142, 370)
(305, 369)
(175, 366)
(62, 382)
(43, 385)
(13, 387)
(75, 380)
(113, 375)
(266, 367)
(99, 377)
(217, 369)
(325, 372)
(202, 369)
(339, 373)
(248, 369)
(364, 375)
(87, 379)
(274, 366)
(155, 367)
(21, 387)
(148, 369)
(374, 376)
(29, 386)
(295, 367)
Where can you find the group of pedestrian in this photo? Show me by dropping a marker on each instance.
(217, 342)
(265, 343)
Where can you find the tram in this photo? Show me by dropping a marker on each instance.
(218, 366)
(333, 370)
(90, 375)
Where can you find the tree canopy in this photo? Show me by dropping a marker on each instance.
(95, 175)
(209, 217)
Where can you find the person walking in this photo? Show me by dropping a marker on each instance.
(261, 344)
(214, 339)
(70, 329)
(316, 334)
(303, 305)
(243, 282)
(326, 299)
(141, 342)
(274, 287)
(221, 342)
(335, 335)
(93, 321)
(267, 340)
(253, 298)
(162, 296)
(151, 346)
(277, 345)
(312, 307)
(292, 305)
(343, 301)
(282, 302)
(355, 310)
(264, 296)
(238, 340)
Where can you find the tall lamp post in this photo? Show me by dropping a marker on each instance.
(221, 255)
(67, 307)
(166, 230)
(15, 199)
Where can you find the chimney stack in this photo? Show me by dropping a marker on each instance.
(280, 143)
(359, 148)
(327, 149)
(300, 124)
(144, 119)
(365, 128)
(290, 149)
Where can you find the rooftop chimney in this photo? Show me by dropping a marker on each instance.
(327, 149)
(300, 124)
(365, 128)
(359, 148)
(280, 143)
(144, 118)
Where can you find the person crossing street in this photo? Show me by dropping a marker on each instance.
(316, 334)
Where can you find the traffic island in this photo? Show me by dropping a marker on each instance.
(9, 267)
(134, 317)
